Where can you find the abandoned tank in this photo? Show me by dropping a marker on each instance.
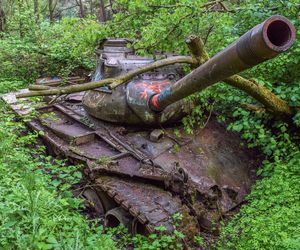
(141, 167)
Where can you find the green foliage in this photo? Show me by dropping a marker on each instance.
(63, 48)
(38, 210)
(154, 241)
(10, 84)
(165, 24)
(271, 219)
(160, 240)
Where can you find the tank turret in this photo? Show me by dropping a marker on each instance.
(158, 97)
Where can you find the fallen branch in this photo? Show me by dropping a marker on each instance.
(112, 82)
(254, 108)
(68, 89)
(36, 87)
(271, 102)
(158, 64)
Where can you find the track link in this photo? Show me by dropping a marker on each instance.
(152, 206)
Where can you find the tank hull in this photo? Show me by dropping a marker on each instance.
(150, 174)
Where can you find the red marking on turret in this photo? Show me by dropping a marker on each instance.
(155, 87)
(154, 102)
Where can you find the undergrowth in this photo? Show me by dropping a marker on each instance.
(38, 211)
(270, 219)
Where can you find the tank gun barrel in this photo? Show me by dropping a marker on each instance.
(261, 43)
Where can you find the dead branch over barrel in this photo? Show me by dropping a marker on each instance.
(112, 82)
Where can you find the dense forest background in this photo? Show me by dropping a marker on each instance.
(55, 37)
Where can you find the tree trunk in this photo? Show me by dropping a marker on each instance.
(91, 7)
(102, 12)
(36, 10)
(51, 8)
(2, 17)
(81, 9)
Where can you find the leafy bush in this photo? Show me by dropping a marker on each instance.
(64, 48)
(271, 219)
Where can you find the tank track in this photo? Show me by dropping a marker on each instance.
(152, 206)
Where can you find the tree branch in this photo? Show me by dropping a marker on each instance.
(175, 26)
(212, 3)
(114, 82)
(272, 102)
(67, 8)
(196, 47)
